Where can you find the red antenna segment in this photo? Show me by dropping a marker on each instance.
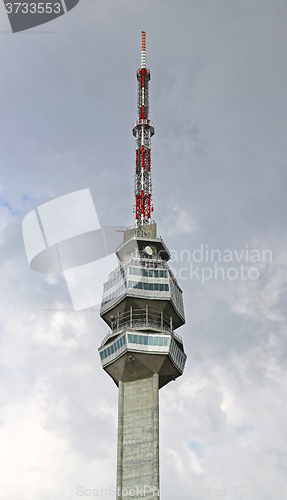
(143, 130)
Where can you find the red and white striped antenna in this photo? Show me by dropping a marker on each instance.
(143, 130)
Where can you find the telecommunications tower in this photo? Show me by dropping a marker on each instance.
(142, 304)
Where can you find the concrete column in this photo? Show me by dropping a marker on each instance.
(138, 439)
(156, 433)
(120, 440)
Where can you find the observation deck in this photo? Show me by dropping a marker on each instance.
(143, 279)
(142, 304)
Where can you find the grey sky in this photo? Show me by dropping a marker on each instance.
(218, 102)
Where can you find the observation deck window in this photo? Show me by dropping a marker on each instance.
(148, 273)
(113, 348)
(151, 340)
(162, 287)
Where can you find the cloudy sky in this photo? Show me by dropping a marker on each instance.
(218, 101)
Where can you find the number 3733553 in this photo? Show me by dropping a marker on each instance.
(33, 8)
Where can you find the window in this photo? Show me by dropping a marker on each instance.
(166, 287)
(160, 341)
(135, 339)
(140, 339)
(150, 340)
(150, 286)
(145, 340)
(165, 341)
(130, 284)
(102, 355)
(156, 273)
(129, 337)
(140, 285)
(150, 273)
(155, 286)
(155, 341)
(161, 287)
(145, 286)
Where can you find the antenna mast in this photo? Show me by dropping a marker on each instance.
(143, 130)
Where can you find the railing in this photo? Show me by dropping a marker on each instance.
(129, 228)
(137, 259)
(177, 336)
(105, 338)
(143, 121)
(141, 318)
(140, 232)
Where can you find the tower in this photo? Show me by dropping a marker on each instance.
(142, 304)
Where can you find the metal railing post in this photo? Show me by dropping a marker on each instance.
(146, 314)
(131, 316)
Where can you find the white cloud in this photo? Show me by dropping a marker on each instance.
(180, 222)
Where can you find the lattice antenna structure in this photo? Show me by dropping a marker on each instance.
(143, 130)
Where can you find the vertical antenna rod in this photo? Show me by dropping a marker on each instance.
(143, 130)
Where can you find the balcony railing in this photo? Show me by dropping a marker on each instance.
(142, 318)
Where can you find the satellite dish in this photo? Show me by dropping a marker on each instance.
(148, 250)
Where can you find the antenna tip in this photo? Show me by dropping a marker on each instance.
(143, 40)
